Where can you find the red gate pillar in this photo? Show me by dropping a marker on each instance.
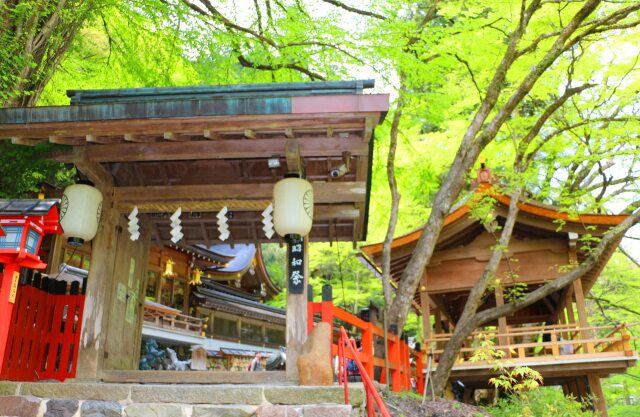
(8, 287)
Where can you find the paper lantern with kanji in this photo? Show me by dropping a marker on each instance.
(293, 207)
(80, 209)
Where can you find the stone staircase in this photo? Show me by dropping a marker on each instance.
(81, 399)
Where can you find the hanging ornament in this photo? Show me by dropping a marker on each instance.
(223, 226)
(134, 229)
(176, 229)
(195, 277)
(267, 221)
(168, 268)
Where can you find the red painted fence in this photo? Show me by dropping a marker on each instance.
(45, 331)
(399, 353)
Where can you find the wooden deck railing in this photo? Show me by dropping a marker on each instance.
(170, 320)
(526, 343)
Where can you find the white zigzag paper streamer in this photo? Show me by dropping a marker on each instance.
(223, 226)
(134, 229)
(176, 228)
(267, 221)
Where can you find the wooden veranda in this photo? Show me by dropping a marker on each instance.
(201, 149)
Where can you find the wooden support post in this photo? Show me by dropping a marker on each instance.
(582, 314)
(438, 325)
(599, 402)
(56, 256)
(571, 319)
(426, 310)
(419, 371)
(297, 320)
(98, 296)
(503, 339)
(555, 351)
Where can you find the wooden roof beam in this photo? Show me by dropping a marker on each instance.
(210, 134)
(324, 193)
(74, 141)
(95, 172)
(292, 154)
(370, 123)
(102, 139)
(130, 137)
(28, 142)
(224, 149)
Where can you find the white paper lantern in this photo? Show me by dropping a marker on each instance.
(80, 209)
(293, 207)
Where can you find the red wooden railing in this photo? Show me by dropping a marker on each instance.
(398, 350)
(44, 332)
(345, 344)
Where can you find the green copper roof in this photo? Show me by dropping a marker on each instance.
(166, 102)
(204, 92)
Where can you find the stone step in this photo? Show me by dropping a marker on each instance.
(186, 393)
(81, 399)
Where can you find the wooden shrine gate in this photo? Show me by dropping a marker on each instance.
(44, 331)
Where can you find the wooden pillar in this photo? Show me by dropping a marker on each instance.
(582, 314)
(98, 295)
(503, 340)
(296, 316)
(438, 326)
(599, 401)
(426, 309)
(57, 253)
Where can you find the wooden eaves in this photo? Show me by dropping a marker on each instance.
(203, 148)
(458, 224)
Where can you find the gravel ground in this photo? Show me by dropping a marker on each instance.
(410, 406)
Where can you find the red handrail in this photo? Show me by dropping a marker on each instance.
(370, 390)
(399, 355)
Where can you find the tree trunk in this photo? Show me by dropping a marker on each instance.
(467, 322)
(395, 202)
(33, 41)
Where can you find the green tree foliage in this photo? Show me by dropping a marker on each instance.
(24, 171)
(34, 36)
(543, 402)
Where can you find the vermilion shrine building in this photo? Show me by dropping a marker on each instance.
(200, 149)
(553, 335)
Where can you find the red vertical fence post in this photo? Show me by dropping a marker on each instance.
(419, 371)
(367, 349)
(326, 309)
(407, 364)
(310, 309)
(8, 279)
(395, 363)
